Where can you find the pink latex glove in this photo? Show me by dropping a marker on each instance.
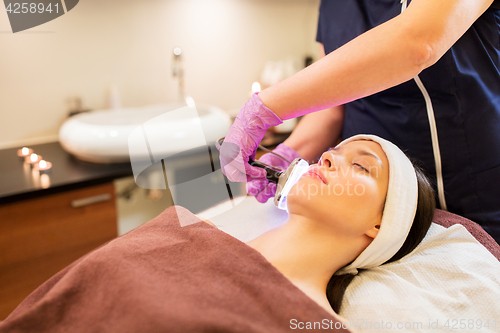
(261, 188)
(243, 138)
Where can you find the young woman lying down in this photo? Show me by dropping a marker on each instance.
(362, 205)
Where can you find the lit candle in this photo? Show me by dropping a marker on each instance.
(33, 159)
(255, 88)
(24, 152)
(43, 166)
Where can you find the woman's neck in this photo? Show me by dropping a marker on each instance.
(305, 253)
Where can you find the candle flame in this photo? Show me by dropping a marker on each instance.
(34, 157)
(25, 151)
(42, 164)
(255, 87)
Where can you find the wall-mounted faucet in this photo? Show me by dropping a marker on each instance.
(178, 72)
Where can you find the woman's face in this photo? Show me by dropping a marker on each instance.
(345, 190)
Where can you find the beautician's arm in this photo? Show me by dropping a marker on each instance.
(317, 131)
(385, 56)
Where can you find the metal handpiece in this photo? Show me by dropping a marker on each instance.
(284, 179)
(273, 175)
(287, 180)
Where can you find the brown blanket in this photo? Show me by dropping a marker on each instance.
(447, 219)
(165, 278)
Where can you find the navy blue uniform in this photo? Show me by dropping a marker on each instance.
(464, 86)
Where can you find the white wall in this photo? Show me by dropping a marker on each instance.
(129, 43)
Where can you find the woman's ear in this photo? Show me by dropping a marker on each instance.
(373, 232)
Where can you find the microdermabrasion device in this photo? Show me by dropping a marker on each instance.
(287, 179)
(284, 179)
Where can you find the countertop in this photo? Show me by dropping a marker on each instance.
(19, 182)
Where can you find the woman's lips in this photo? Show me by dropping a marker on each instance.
(314, 173)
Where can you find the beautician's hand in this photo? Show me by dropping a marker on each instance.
(261, 188)
(243, 138)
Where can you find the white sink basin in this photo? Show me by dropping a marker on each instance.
(103, 136)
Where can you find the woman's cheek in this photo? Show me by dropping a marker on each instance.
(363, 186)
(304, 190)
(299, 190)
(366, 191)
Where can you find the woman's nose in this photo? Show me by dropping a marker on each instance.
(328, 159)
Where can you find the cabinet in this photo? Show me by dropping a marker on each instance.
(41, 236)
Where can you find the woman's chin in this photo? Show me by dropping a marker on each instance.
(301, 204)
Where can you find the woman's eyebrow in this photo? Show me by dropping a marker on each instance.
(363, 152)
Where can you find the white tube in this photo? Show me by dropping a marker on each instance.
(434, 134)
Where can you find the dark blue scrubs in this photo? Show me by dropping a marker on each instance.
(464, 86)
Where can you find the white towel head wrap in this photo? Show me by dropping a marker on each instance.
(399, 210)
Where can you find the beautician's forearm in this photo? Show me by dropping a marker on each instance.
(383, 57)
(368, 64)
(316, 132)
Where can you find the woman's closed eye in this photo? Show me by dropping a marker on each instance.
(360, 167)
